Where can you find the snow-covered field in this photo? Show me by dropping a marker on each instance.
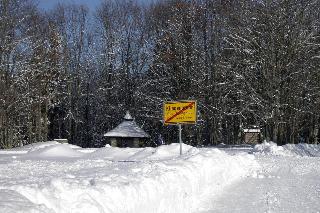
(53, 177)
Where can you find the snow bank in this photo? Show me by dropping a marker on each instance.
(154, 180)
(38, 149)
(114, 153)
(40, 145)
(302, 149)
(271, 148)
(54, 152)
(164, 152)
(13, 202)
(172, 150)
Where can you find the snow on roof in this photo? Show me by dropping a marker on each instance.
(128, 116)
(252, 130)
(127, 129)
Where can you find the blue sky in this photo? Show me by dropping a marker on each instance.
(92, 4)
(49, 4)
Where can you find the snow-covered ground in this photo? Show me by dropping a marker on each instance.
(288, 181)
(53, 177)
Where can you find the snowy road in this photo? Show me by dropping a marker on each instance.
(283, 184)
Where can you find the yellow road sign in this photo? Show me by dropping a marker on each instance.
(180, 112)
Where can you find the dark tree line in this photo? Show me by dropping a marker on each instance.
(66, 73)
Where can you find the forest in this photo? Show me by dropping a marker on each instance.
(71, 73)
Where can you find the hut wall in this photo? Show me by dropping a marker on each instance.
(252, 137)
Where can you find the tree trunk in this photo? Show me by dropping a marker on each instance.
(316, 130)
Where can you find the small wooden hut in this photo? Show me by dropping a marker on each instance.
(127, 134)
(252, 135)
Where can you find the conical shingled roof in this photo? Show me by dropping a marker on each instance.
(127, 129)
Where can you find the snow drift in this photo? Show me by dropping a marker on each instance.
(53, 152)
(41, 145)
(120, 180)
(270, 148)
(301, 149)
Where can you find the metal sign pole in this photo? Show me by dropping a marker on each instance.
(180, 138)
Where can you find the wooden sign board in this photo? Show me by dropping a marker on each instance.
(180, 112)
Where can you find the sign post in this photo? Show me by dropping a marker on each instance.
(180, 112)
(180, 138)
